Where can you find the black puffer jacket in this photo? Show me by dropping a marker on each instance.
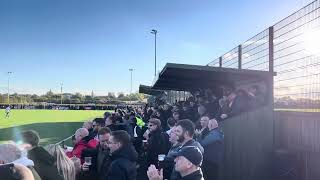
(44, 164)
(158, 143)
(123, 166)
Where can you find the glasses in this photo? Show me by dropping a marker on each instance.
(109, 142)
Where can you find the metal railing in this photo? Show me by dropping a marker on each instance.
(291, 48)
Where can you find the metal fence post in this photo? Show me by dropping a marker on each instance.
(220, 61)
(271, 49)
(239, 57)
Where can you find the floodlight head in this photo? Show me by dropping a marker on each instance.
(153, 31)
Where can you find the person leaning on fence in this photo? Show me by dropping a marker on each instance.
(44, 163)
(65, 166)
(187, 162)
(82, 142)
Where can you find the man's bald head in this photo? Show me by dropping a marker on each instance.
(213, 123)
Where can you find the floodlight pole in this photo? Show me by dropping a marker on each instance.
(9, 73)
(131, 70)
(61, 85)
(154, 31)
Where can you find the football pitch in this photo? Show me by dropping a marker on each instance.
(52, 125)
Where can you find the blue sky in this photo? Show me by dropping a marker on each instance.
(90, 45)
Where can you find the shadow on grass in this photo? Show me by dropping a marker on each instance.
(49, 132)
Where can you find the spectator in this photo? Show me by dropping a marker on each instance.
(187, 162)
(171, 123)
(123, 157)
(44, 163)
(176, 115)
(169, 159)
(187, 112)
(256, 97)
(106, 115)
(82, 142)
(73, 140)
(65, 166)
(15, 172)
(77, 164)
(10, 153)
(235, 105)
(97, 124)
(110, 122)
(213, 151)
(165, 113)
(201, 133)
(158, 142)
(137, 134)
(202, 110)
(88, 125)
(185, 130)
(100, 157)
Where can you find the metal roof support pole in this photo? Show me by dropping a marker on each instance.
(220, 61)
(271, 48)
(239, 57)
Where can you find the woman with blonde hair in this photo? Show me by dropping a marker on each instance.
(65, 166)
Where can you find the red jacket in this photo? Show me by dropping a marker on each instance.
(80, 146)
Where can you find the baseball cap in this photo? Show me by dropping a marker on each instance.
(192, 153)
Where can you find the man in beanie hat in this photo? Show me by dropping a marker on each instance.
(188, 161)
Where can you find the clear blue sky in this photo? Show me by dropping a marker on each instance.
(90, 45)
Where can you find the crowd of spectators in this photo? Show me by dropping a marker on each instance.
(176, 142)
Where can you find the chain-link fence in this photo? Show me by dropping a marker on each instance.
(291, 48)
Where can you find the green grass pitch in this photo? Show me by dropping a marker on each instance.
(52, 125)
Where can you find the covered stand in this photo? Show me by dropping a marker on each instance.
(249, 136)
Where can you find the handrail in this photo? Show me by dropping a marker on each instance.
(62, 141)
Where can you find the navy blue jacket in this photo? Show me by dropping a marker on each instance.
(213, 146)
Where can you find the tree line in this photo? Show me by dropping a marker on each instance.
(71, 98)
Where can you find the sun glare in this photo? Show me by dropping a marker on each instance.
(311, 41)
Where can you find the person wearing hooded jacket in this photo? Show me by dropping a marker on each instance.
(44, 163)
(123, 156)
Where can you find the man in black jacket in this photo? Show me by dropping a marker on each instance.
(44, 163)
(188, 161)
(123, 157)
(100, 158)
(158, 141)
